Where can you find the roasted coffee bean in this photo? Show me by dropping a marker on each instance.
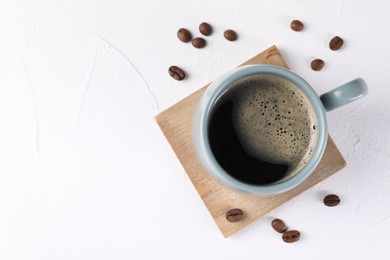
(336, 43)
(176, 73)
(279, 225)
(296, 25)
(291, 236)
(234, 215)
(198, 42)
(184, 35)
(331, 200)
(317, 64)
(205, 29)
(230, 35)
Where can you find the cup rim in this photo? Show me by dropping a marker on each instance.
(206, 104)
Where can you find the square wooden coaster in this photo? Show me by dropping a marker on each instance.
(176, 124)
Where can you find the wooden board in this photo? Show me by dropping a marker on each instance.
(176, 124)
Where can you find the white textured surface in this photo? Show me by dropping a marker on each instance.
(85, 172)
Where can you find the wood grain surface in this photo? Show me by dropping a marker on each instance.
(176, 124)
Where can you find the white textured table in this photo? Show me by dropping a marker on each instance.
(85, 172)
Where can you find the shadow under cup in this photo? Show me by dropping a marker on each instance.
(263, 129)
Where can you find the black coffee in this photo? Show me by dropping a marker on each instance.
(262, 129)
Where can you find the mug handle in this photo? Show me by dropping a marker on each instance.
(344, 94)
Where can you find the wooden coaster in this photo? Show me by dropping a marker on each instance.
(176, 124)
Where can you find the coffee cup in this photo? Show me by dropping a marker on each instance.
(263, 129)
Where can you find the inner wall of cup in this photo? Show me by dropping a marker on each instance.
(293, 170)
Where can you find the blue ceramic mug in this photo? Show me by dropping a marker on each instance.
(333, 99)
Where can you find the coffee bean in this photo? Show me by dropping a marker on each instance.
(198, 42)
(184, 35)
(336, 43)
(291, 236)
(279, 225)
(331, 200)
(205, 29)
(176, 73)
(230, 35)
(317, 64)
(234, 215)
(296, 25)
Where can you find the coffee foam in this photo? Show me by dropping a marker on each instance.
(273, 120)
